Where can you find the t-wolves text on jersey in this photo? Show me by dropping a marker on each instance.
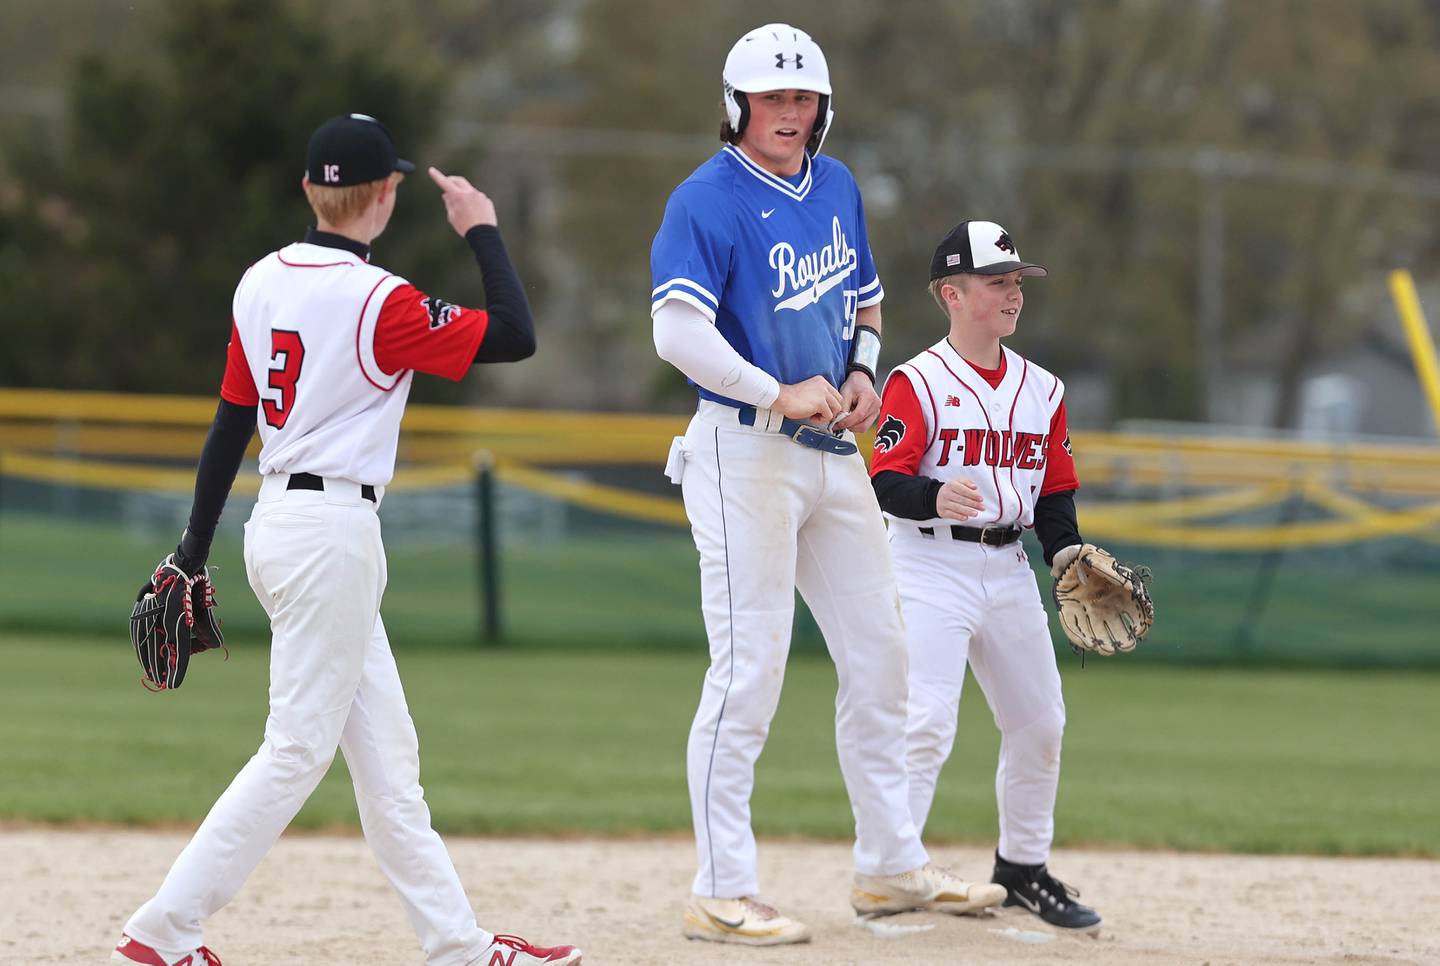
(942, 418)
(780, 265)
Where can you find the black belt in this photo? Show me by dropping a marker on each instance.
(991, 536)
(309, 481)
(812, 437)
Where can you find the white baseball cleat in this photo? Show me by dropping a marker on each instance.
(514, 951)
(129, 950)
(928, 888)
(958, 897)
(746, 921)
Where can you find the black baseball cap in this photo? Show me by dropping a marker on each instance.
(351, 149)
(979, 248)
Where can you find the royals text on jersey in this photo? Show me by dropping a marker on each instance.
(781, 266)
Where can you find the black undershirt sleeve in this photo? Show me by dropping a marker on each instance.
(510, 335)
(1055, 523)
(220, 458)
(903, 495)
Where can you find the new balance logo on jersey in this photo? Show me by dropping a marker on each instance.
(1024, 451)
(811, 276)
(798, 60)
(441, 312)
(1004, 243)
(889, 435)
(952, 400)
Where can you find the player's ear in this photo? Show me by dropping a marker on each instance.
(951, 293)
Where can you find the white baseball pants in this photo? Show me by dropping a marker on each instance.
(964, 601)
(317, 565)
(769, 515)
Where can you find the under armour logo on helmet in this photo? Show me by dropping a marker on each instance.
(1004, 243)
(781, 60)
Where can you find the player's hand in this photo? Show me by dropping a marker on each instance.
(958, 500)
(814, 400)
(465, 205)
(859, 398)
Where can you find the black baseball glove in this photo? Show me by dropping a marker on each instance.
(174, 617)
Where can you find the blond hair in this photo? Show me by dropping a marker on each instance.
(339, 206)
(951, 280)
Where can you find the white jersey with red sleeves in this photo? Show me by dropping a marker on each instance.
(327, 345)
(942, 418)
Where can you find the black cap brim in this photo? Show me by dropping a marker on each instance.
(1004, 268)
(403, 166)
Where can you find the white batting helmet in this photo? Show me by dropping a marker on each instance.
(776, 57)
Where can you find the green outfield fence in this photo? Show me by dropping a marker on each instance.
(520, 528)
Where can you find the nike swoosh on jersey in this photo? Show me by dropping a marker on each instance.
(767, 213)
(812, 295)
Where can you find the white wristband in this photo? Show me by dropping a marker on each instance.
(865, 351)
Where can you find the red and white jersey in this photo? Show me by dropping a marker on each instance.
(1003, 429)
(327, 345)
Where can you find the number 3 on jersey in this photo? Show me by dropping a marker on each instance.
(287, 353)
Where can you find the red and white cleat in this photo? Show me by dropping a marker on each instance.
(134, 951)
(514, 951)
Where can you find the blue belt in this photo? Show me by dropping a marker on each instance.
(812, 437)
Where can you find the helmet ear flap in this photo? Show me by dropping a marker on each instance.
(737, 109)
(823, 116)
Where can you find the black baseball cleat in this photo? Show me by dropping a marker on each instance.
(1032, 887)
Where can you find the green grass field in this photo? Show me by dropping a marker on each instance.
(552, 741)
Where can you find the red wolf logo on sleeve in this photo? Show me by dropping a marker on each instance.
(889, 435)
(441, 312)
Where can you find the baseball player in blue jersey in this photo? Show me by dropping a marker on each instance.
(766, 297)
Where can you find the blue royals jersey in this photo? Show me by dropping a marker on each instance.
(781, 266)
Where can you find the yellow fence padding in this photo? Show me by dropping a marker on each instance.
(146, 442)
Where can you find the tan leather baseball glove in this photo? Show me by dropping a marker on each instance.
(1104, 606)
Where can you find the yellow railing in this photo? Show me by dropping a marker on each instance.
(139, 442)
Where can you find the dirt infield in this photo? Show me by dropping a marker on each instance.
(321, 900)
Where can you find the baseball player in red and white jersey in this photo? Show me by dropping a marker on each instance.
(972, 448)
(323, 349)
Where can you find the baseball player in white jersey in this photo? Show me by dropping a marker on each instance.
(766, 297)
(323, 349)
(972, 448)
